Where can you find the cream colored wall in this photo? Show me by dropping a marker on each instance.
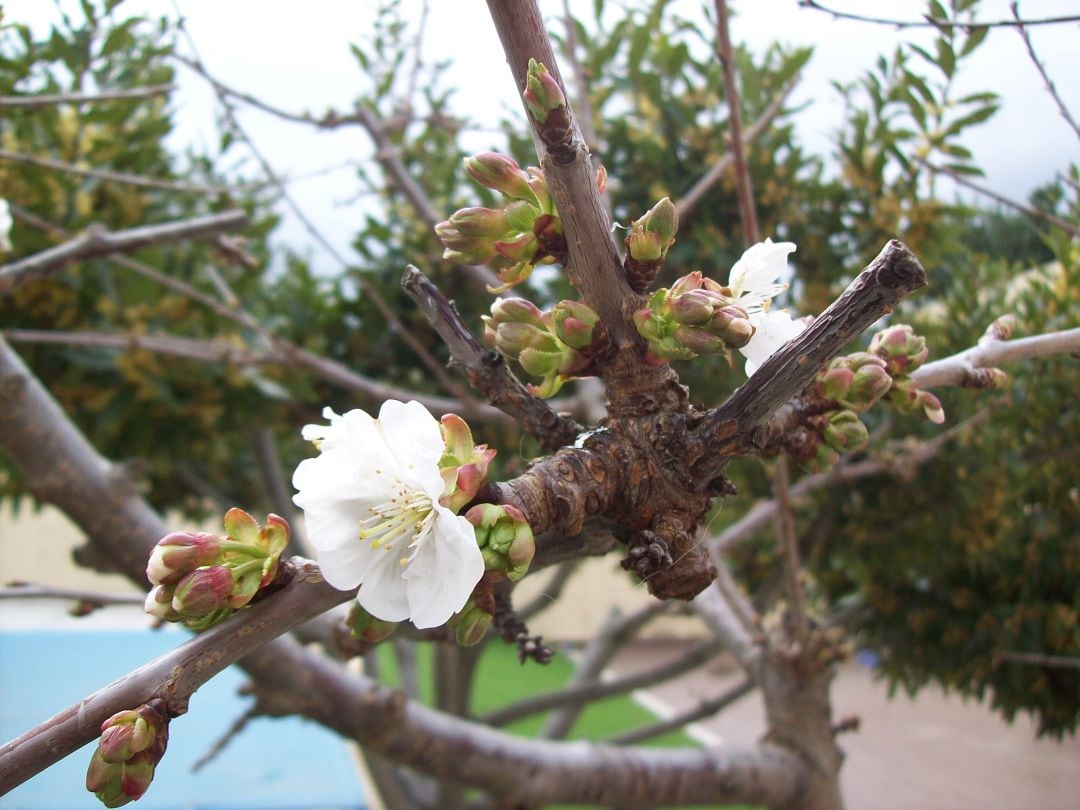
(36, 547)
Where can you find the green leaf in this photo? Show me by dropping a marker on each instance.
(946, 57)
(975, 36)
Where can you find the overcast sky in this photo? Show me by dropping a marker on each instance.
(297, 56)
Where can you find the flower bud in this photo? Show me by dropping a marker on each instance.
(695, 307)
(661, 220)
(856, 381)
(521, 216)
(907, 397)
(159, 603)
(463, 465)
(364, 626)
(472, 624)
(179, 553)
(519, 249)
(117, 784)
(542, 92)
(696, 281)
(502, 174)
(504, 536)
(845, 433)
(123, 735)
(574, 323)
(902, 350)
(699, 341)
(479, 222)
(203, 591)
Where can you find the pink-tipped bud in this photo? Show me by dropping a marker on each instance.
(179, 553)
(845, 433)
(695, 307)
(203, 591)
(574, 323)
(931, 407)
(502, 174)
(125, 734)
(902, 350)
(696, 281)
(699, 341)
(542, 92)
(479, 222)
(661, 221)
(519, 249)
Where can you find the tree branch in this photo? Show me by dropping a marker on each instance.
(695, 657)
(45, 100)
(927, 22)
(705, 709)
(1021, 29)
(96, 241)
(737, 425)
(689, 201)
(485, 370)
(962, 368)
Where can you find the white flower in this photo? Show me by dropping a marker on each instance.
(753, 279)
(5, 226)
(771, 331)
(371, 501)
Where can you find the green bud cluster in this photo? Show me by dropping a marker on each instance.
(132, 743)
(903, 351)
(200, 579)
(523, 233)
(556, 345)
(697, 316)
(856, 381)
(504, 537)
(648, 242)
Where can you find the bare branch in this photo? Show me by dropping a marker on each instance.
(551, 592)
(30, 590)
(695, 657)
(1021, 29)
(1029, 210)
(743, 184)
(789, 552)
(96, 241)
(44, 100)
(928, 22)
(615, 632)
(689, 201)
(738, 422)
(173, 677)
(705, 709)
(486, 371)
(1039, 659)
(727, 624)
(962, 368)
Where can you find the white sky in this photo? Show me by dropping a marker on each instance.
(297, 56)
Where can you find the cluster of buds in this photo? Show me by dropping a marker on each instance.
(648, 242)
(856, 381)
(463, 465)
(132, 744)
(525, 232)
(507, 544)
(697, 316)
(903, 351)
(556, 345)
(200, 579)
(818, 442)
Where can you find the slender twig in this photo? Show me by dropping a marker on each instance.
(720, 615)
(30, 590)
(385, 152)
(695, 657)
(1021, 29)
(789, 552)
(1029, 210)
(486, 371)
(602, 647)
(1039, 659)
(961, 369)
(96, 241)
(928, 22)
(689, 201)
(385, 310)
(705, 709)
(144, 181)
(743, 184)
(219, 745)
(48, 100)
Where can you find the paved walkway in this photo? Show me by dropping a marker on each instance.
(936, 752)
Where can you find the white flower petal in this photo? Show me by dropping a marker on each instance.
(383, 593)
(5, 226)
(441, 577)
(772, 330)
(411, 432)
(753, 277)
